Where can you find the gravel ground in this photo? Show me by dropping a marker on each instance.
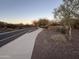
(47, 48)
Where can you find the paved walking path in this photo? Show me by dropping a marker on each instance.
(20, 48)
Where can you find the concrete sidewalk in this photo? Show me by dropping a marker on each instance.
(20, 48)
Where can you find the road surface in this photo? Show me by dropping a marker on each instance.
(10, 36)
(20, 48)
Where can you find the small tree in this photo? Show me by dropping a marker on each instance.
(67, 11)
(43, 23)
(35, 23)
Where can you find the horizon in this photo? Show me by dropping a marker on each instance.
(26, 11)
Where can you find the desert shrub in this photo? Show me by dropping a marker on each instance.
(58, 38)
(76, 24)
(61, 30)
(43, 23)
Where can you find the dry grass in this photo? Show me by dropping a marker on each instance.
(58, 38)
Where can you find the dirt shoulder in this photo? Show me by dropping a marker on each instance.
(48, 48)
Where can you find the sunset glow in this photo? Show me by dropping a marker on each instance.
(25, 11)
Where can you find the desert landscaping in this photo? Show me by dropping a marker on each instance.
(51, 44)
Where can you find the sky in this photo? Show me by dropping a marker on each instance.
(25, 11)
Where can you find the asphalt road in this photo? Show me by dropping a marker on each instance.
(10, 36)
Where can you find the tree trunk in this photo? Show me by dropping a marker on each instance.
(70, 33)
